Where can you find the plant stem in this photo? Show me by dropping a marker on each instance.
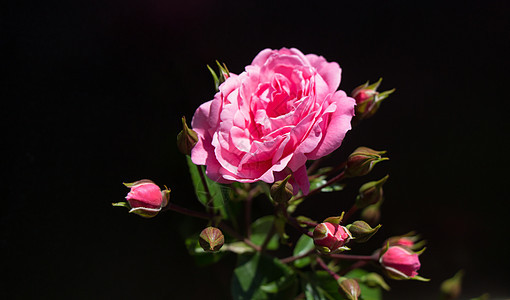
(349, 213)
(206, 187)
(269, 235)
(247, 209)
(206, 216)
(352, 257)
(290, 259)
(325, 267)
(330, 182)
(292, 221)
(355, 265)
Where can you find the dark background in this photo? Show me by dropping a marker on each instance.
(93, 94)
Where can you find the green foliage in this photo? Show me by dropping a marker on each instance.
(321, 286)
(259, 231)
(303, 245)
(218, 194)
(262, 277)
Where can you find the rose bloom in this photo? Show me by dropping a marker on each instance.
(266, 122)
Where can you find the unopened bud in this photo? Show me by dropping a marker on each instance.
(451, 288)
(371, 214)
(186, 139)
(211, 239)
(362, 160)
(401, 263)
(145, 199)
(371, 193)
(331, 238)
(361, 231)
(368, 99)
(282, 190)
(349, 288)
(409, 240)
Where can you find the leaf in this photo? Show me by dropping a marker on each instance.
(201, 257)
(333, 188)
(303, 245)
(259, 230)
(256, 271)
(218, 193)
(320, 286)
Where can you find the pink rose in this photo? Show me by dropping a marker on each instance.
(400, 263)
(266, 122)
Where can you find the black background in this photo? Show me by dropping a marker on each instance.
(93, 94)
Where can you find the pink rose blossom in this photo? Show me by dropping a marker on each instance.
(266, 122)
(400, 263)
(330, 236)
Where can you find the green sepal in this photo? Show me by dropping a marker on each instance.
(122, 204)
(334, 220)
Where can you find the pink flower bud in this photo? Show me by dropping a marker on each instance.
(400, 263)
(329, 237)
(368, 99)
(146, 198)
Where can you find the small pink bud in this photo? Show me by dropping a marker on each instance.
(329, 237)
(409, 241)
(368, 99)
(400, 263)
(145, 198)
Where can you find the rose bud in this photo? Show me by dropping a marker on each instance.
(361, 231)
(370, 193)
(452, 287)
(349, 288)
(400, 263)
(329, 237)
(362, 160)
(409, 241)
(145, 198)
(371, 214)
(368, 99)
(211, 239)
(186, 139)
(282, 191)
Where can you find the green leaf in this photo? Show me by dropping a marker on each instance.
(333, 188)
(303, 245)
(218, 193)
(259, 230)
(201, 257)
(317, 182)
(215, 78)
(261, 277)
(320, 286)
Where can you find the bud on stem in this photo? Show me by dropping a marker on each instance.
(362, 160)
(186, 139)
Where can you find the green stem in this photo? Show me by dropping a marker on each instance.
(206, 187)
(247, 209)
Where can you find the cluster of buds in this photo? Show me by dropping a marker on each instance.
(368, 99)
(145, 198)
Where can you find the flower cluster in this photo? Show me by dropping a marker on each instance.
(263, 126)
